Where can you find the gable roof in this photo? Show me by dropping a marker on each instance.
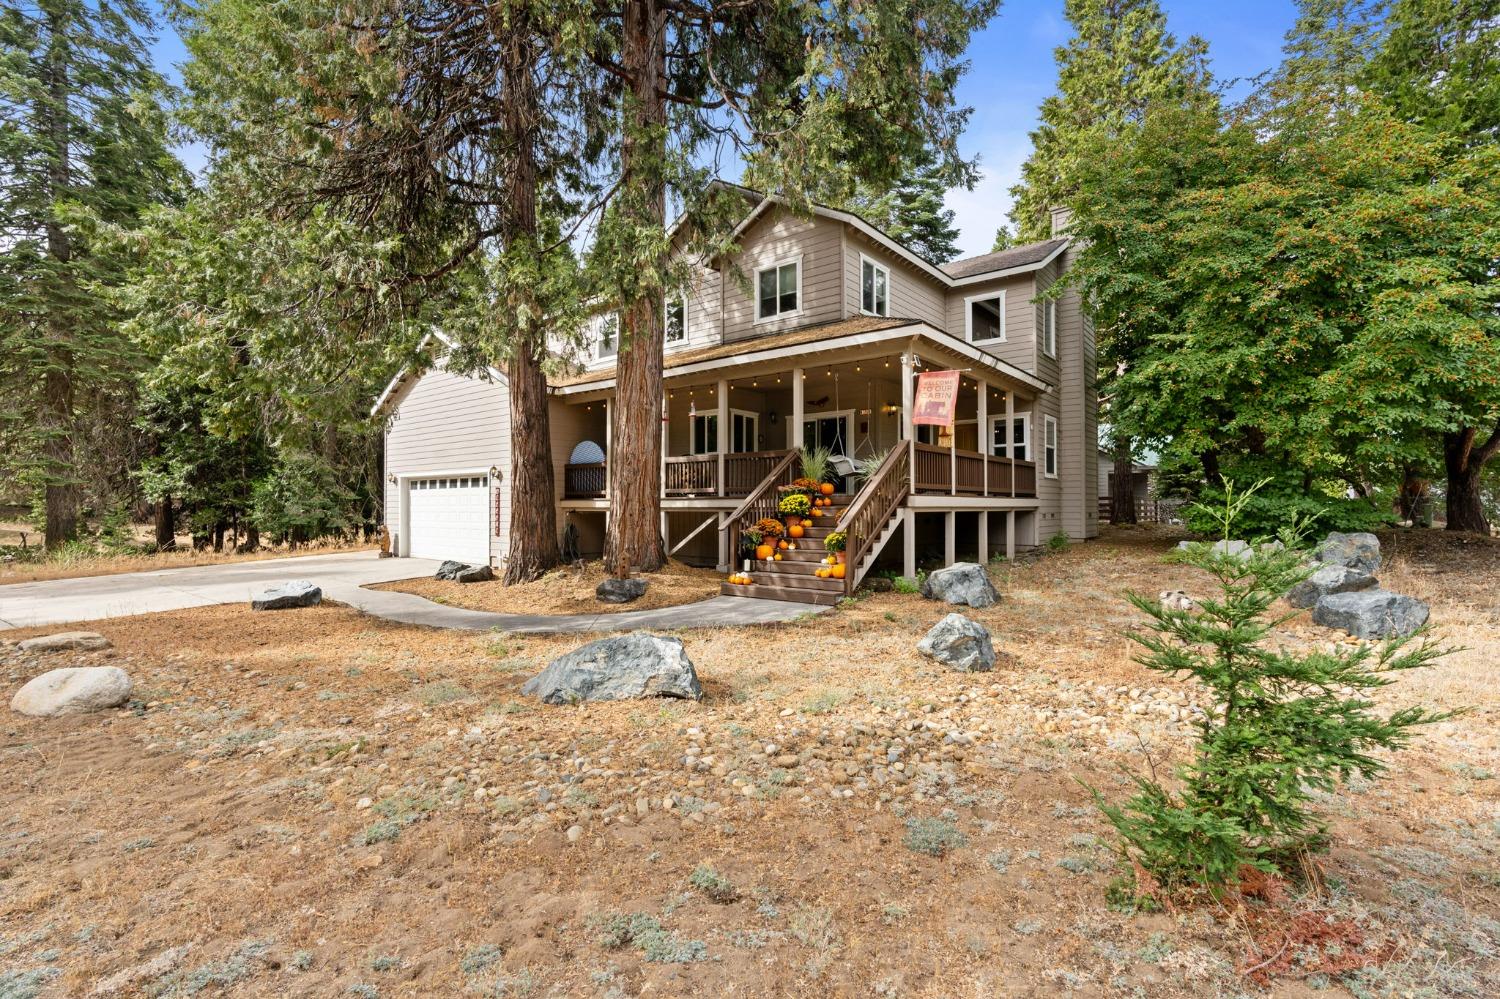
(853, 331)
(1028, 254)
(407, 374)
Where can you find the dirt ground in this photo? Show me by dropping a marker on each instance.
(316, 803)
(568, 590)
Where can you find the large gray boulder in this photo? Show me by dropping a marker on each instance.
(450, 569)
(961, 583)
(1371, 613)
(474, 574)
(65, 641)
(618, 668)
(73, 691)
(1359, 551)
(960, 643)
(292, 593)
(620, 591)
(1329, 579)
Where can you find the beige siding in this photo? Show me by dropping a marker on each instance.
(777, 236)
(913, 294)
(450, 423)
(702, 311)
(1019, 347)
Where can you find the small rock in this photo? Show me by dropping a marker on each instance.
(474, 574)
(65, 640)
(1176, 600)
(575, 833)
(1371, 613)
(620, 591)
(618, 668)
(72, 691)
(960, 643)
(961, 583)
(293, 593)
(450, 569)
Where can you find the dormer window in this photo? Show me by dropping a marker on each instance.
(778, 289)
(874, 288)
(607, 335)
(676, 322)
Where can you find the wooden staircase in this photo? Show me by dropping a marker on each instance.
(869, 517)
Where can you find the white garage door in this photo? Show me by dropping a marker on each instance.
(450, 518)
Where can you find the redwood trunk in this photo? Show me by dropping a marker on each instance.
(1464, 463)
(1122, 490)
(533, 510)
(166, 524)
(634, 537)
(61, 489)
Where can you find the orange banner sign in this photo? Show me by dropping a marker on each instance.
(937, 399)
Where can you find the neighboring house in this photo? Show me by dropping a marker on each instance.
(811, 334)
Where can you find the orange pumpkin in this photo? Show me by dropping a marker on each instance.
(826, 489)
(796, 530)
(782, 545)
(764, 551)
(839, 571)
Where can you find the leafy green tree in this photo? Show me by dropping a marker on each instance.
(912, 210)
(1004, 239)
(804, 92)
(82, 142)
(1281, 726)
(1439, 68)
(1121, 61)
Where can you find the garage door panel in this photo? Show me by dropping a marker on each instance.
(450, 518)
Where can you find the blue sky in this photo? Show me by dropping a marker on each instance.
(1012, 70)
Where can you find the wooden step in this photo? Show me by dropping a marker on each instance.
(822, 598)
(797, 580)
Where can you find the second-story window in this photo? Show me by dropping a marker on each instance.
(1049, 327)
(677, 319)
(607, 339)
(778, 289)
(874, 288)
(984, 317)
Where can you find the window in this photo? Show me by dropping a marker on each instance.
(778, 289)
(1017, 443)
(677, 319)
(607, 335)
(1049, 447)
(743, 431)
(984, 318)
(1049, 327)
(705, 433)
(874, 288)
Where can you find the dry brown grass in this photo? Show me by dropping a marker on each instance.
(567, 590)
(77, 566)
(225, 811)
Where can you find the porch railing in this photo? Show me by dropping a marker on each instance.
(937, 470)
(692, 475)
(743, 472)
(871, 511)
(763, 501)
(585, 481)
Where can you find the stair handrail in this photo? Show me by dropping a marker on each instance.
(758, 495)
(872, 509)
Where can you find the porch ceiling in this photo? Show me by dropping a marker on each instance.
(827, 342)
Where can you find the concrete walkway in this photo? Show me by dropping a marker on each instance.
(343, 578)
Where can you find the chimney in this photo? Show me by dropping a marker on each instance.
(1061, 219)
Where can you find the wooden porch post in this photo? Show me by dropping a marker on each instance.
(908, 400)
(1010, 450)
(794, 425)
(950, 538)
(982, 432)
(1010, 535)
(909, 543)
(984, 536)
(723, 433)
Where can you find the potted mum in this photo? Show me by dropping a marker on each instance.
(794, 507)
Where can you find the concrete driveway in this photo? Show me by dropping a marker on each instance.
(58, 601)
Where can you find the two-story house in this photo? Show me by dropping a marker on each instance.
(813, 334)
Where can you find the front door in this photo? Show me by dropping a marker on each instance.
(830, 431)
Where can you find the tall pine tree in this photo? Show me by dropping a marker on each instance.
(82, 141)
(912, 210)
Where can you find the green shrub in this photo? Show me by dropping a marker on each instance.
(1058, 541)
(1267, 511)
(933, 837)
(1277, 731)
(713, 885)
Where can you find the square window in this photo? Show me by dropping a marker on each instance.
(984, 318)
(777, 290)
